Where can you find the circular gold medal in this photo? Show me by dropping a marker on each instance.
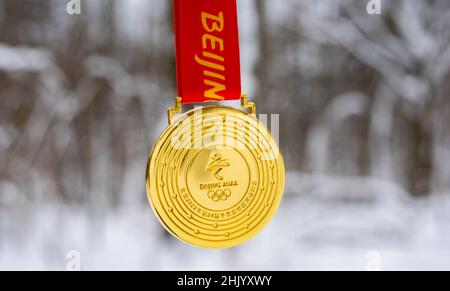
(215, 177)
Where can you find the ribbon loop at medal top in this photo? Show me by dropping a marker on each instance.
(207, 47)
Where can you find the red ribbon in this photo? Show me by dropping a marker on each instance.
(207, 47)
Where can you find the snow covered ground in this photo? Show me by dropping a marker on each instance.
(324, 223)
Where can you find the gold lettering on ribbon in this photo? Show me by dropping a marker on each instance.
(212, 60)
(216, 23)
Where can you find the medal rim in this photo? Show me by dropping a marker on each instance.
(150, 188)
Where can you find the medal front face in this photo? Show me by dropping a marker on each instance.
(215, 177)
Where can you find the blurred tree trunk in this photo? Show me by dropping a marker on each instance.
(420, 171)
(262, 65)
(24, 22)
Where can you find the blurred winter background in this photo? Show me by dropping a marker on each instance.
(365, 128)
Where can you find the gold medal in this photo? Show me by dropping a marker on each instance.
(215, 177)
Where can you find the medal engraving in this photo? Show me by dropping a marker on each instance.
(216, 166)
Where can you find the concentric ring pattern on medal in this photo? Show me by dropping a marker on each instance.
(216, 177)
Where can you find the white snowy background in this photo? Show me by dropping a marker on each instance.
(364, 107)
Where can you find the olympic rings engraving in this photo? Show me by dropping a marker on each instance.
(219, 195)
